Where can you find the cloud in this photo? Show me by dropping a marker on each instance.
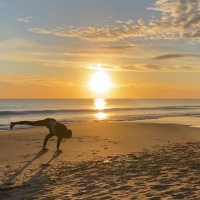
(25, 51)
(171, 56)
(49, 82)
(106, 34)
(124, 22)
(40, 30)
(141, 22)
(104, 67)
(151, 67)
(111, 34)
(129, 22)
(110, 50)
(17, 43)
(25, 20)
(179, 20)
(145, 67)
(90, 53)
(119, 22)
(182, 16)
(40, 58)
(25, 56)
(159, 87)
(120, 47)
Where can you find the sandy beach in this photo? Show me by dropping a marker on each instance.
(102, 161)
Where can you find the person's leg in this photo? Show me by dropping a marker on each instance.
(46, 139)
(30, 123)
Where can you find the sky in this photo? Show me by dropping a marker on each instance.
(146, 48)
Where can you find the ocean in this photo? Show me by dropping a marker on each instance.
(99, 109)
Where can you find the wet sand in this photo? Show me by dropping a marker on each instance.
(102, 161)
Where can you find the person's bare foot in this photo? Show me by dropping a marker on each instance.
(12, 125)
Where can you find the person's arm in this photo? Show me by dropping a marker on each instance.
(58, 142)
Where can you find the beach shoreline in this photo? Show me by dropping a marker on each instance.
(116, 145)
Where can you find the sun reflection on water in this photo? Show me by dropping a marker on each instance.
(100, 116)
(100, 105)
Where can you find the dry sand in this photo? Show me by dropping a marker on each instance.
(102, 161)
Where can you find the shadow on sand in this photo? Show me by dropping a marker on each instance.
(9, 189)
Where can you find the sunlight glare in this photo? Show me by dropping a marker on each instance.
(99, 103)
(100, 82)
(100, 116)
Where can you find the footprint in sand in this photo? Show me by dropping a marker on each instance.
(38, 146)
(115, 142)
(25, 156)
(95, 152)
(105, 147)
(80, 139)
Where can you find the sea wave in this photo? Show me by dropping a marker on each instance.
(163, 108)
(30, 112)
(152, 116)
(112, 118)
(81, 110)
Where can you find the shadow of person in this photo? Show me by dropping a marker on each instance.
(8, 181)
(34, 183)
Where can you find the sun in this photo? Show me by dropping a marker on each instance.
(100, 82)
